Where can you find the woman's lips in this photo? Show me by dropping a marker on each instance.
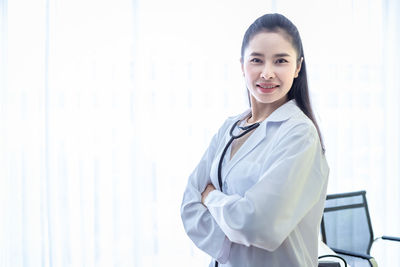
(267, 88)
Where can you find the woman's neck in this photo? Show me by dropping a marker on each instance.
(261, 111)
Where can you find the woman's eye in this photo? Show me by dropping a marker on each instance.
(255, 60)
(281, 60)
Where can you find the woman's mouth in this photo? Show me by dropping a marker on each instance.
(267, 88)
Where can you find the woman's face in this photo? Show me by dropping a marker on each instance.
(269, 66)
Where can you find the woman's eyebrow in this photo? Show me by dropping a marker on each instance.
(282, 55)
(256, 54)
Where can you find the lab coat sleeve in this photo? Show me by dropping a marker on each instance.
(199, 225)
(286, 191)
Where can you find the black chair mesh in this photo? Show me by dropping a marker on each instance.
(346, 227)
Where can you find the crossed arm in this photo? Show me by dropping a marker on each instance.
(206, 191)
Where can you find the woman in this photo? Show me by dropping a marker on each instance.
(273, 179)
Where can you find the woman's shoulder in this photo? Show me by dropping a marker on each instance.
(228, 122)
(299, 123)
(240, 115)
(234, 118)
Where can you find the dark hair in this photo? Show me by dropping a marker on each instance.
(299, 90)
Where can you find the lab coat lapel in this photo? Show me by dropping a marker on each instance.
(254, 139)
(282, 113)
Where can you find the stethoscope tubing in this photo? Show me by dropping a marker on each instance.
(246, 130)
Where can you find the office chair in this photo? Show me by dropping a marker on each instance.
(346, 228)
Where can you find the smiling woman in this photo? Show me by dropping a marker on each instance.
(271, 216)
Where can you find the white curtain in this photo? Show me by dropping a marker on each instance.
(107, 107)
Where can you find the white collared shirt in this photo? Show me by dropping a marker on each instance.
(274, 190)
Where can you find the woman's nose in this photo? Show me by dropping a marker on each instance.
(267, 73)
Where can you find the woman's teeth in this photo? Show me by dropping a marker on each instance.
(268, 87)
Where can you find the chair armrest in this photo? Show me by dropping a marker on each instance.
(391, 238)
(328, 264)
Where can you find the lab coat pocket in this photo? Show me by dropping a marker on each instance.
(243, 176)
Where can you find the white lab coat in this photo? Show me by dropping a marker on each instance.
(273, 196)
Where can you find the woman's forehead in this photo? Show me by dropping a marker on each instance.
(270, 42)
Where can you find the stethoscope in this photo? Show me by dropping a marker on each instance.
(246, 130)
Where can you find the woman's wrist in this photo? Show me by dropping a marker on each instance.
(209, 188)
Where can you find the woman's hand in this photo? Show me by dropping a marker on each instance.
(206, 191)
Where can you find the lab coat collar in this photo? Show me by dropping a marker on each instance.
(282, 113)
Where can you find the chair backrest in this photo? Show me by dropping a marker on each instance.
(346, 223)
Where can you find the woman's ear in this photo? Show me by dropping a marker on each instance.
(298, 68)
(241, 65)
